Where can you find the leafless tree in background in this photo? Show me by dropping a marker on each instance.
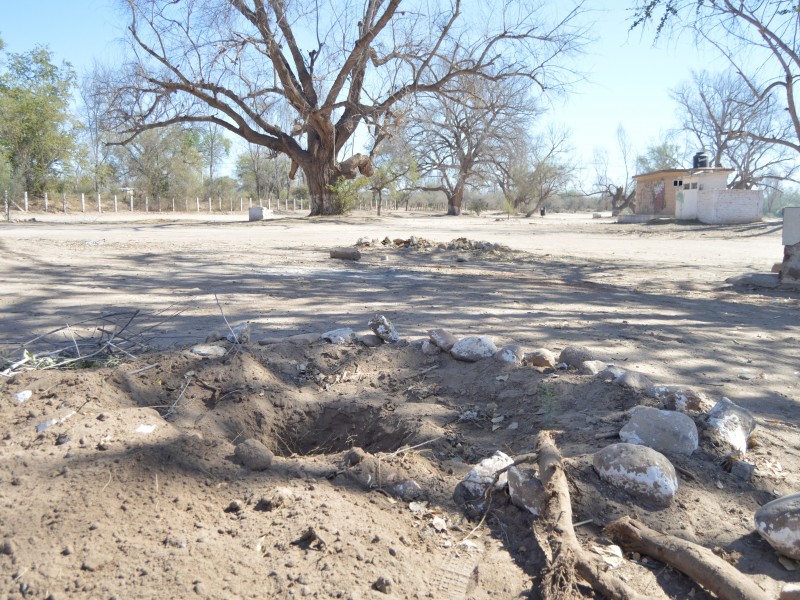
(336, 64)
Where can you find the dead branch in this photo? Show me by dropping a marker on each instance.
(699, 563)
(555, 533)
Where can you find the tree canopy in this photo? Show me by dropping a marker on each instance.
(300, 78)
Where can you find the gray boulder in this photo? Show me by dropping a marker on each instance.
(240, 334)
(662, 430)
(681, 398)
(732, 424)
(473, 349)
(611, 372)
(591, 367)
(638, 470)
(512, 354)
(526, 491)
(633, 380)
(470, 492)
(254, 455)
(575, 355)
(778, 522)
(429, 348)
(208, 350)
(541, 357)
(443, 339)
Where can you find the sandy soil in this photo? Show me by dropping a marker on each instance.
(94, 506)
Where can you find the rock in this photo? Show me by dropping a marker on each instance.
(300, 338)
(407, 490)
(346, 253)
(633, 380)
(7, 547)
(591, 367)
(208, 350)
(541, 357)
(481, 475)
(680, 398)
(662, 430)
(370, 340)
(364, 241)
(610, 372)
(639, 470)
(383, 585)
(743, 470)
(473, 349)
(280, 498)
(341, 336)
(778, 522)
(526, 491)
(239, 334)
(732, 424)
(791, 591)
(575, 355)
(354, 456)
(234, 507)
(443, 339)
(384, 329)
(429, 348)
(512, 354)
(23, 396)
(254, 455)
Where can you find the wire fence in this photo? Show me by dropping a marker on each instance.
(116, 203)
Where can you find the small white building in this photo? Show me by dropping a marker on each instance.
(703, 195)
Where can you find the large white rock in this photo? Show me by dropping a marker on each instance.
(481, 475)
(512, 354)
(639, 470)
(472, 349)
(633, 380)
(384, 329)
(778, 522)
(662, 430)
(341, 336)
(732, 424)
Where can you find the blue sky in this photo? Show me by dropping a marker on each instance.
(627, 79)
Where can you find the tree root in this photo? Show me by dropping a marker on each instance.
(699, 563)
(556, 536)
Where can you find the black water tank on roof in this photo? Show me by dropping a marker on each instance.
(700, 160)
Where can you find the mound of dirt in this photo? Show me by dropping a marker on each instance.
(123, 481)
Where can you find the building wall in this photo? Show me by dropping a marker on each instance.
(655, 195)
(724, 206)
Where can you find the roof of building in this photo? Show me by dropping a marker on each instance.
(686, 171)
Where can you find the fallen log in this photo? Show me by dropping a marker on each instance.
(346, 253)
(699, 563)
(556, 536)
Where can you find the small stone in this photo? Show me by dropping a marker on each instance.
(346, 253)
(633, 380)
(383, 584)
(526, 491)
(681, 398)
(354, 456)
(384, 329)
(663, 430)
(471, 490)
(611, 372)
(591, 367)
(240, 334)
(208, 350)
(732, 424)
(575, 355)
(254, 455)
(280, 498)
(778, 522)
(341, 336)
(743, 470)
(443, 339)
(67, 550)
(429, 348)
(7, 547)
(62, 439)
(234, 507)
(23, 396)
(541, 357)
(473, 349)
(639, 470)
(512, 354)
(407, 490)
(370, 340)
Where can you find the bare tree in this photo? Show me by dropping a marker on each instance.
(458, 137)
(93, 131)
(213, 147)
(335, 65)
(535, 171)
(620, 187)
(761, 41)
(715, 106)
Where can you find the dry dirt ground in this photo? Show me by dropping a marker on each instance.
(129, 487)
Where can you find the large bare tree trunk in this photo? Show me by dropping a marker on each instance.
(318, 178)
(455, 200)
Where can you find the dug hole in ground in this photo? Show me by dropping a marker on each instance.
(121, 475)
